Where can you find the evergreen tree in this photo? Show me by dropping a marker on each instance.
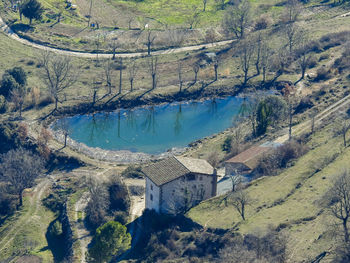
(110, 240)
(31, 9)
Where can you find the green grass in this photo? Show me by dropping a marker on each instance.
(289, 200)
(28, 228)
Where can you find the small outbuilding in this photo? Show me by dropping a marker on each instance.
(245, 162)
(176, 184)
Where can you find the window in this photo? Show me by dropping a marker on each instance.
(151, 187)
(191, 177)
(151, 197)
(200, 178)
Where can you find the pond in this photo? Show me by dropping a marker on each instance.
(153, 129)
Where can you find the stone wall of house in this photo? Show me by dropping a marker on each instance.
(152, 195)
(178, 194)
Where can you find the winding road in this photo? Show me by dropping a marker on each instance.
(10, 33)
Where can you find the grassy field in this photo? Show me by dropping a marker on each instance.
(25, 232)
(126, 20)
(288, 201)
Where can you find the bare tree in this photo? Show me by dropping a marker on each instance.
(63, 126)
(58, 74)
(113, 45)
(213, 159)
(97, 43)
(195, 68)
(245, 53)
(96, 209)
(120, 74)
(336, 200)
(293, 35)
(20, 168)
(240, 200)
(130, 20)
(304, 58)
(265, 60)
(95, 86)
(258, 52)
(132, 69)
(216, 66)
(17, 95)
(153, 69)
(237, 18)
(108, 69)
(176, 37)
(280, 62)
(292, 11)
(204, 5)
(344, 126)
(291, 99)
(150, 37)
(193, 18)
(179, 73)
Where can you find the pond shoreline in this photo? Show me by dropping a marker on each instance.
(185, 96)
(129, 157)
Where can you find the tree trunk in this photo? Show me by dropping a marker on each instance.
(120, 80)
(30, 21)
(344, 137)
(346, 231)
(195, 78)
(56, 103)
(148, 48)
(153, 81)
(20, 195)
(131, 84)
(242, 212)
(245, 77)
(20, 110)
(113, 57)
(65, 140)
(216, 72)
(290, 121)
(94, 98)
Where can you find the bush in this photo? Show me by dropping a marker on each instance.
(262, 22)
(8, 203)
(3, 104)
(227, 145)
(137, 190)
(270, 163)
(323, 74)
(8, 83)
(133, 172)
(118, 196)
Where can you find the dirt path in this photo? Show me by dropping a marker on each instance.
(83, 235)
(35, 203)
(9, 32)
(306, 125)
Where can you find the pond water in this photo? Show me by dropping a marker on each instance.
(153, 129)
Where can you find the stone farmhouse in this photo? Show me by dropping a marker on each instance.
(175, 184)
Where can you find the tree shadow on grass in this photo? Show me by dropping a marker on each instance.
(22, 28)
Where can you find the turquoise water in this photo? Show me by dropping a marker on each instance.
(154, 129)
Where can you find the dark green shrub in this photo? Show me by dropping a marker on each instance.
(227, 145)
(133, 172)
(3, 104)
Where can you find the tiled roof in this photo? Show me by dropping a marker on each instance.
(171, 168)
(249, 157)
